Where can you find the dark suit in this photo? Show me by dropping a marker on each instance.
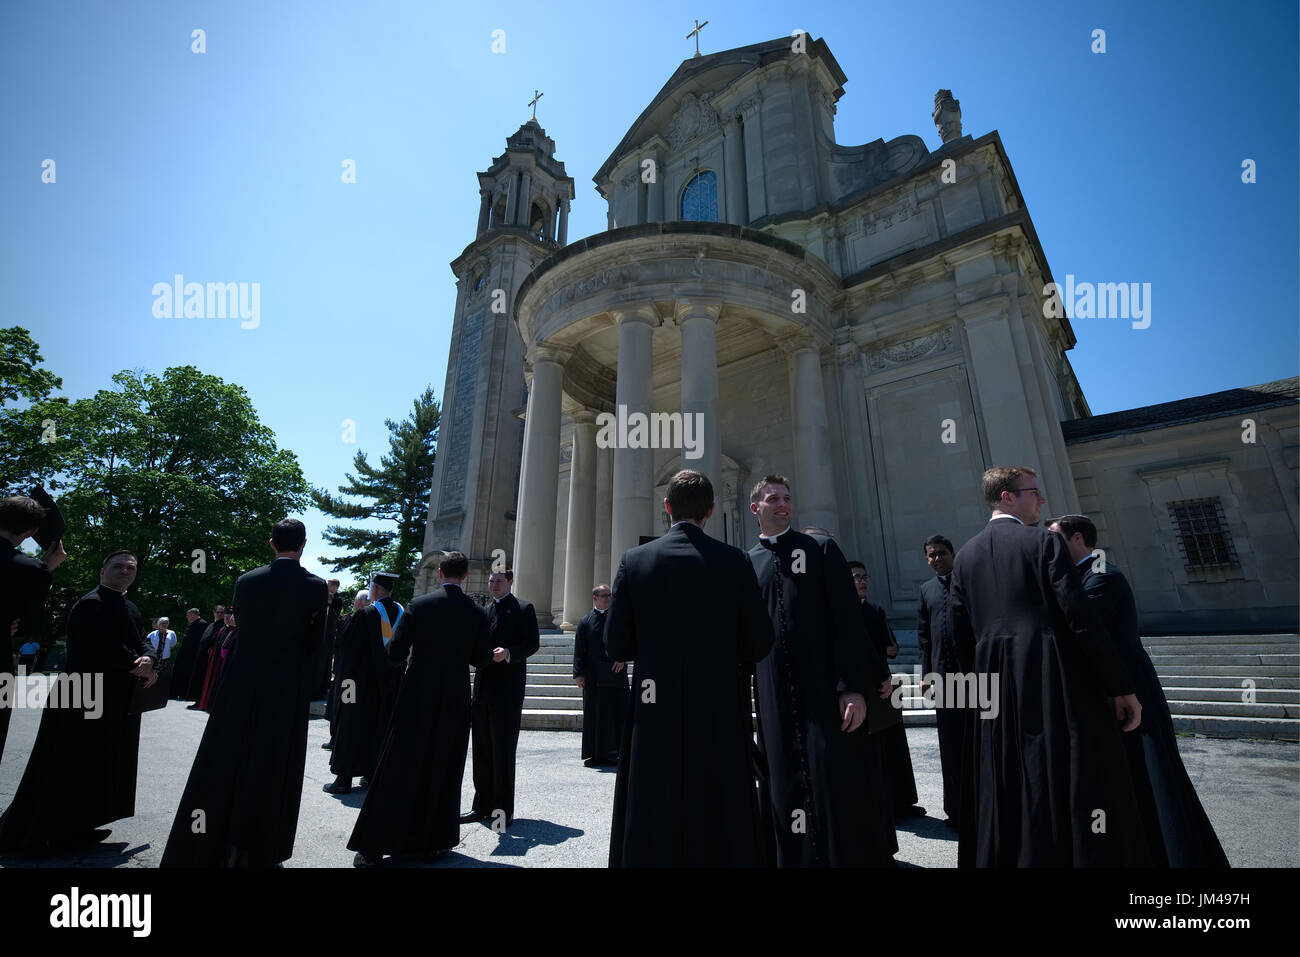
(186, 656)
(1179, 833)
(604, 690)
(688, 611)
(247, 775)
(939, 658)
(1052, 758)
(24, 586)
(413, 805)
(498, 703)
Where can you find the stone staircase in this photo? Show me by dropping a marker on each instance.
(1203, 677)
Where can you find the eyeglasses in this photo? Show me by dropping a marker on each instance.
(603, 594)
(862, 578)
(1018, 491)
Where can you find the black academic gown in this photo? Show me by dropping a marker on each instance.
(336, 673)
(1179, 833)
(604, 691)
(893, 740)
(366, 705)
(186, 656)
(245, 785)
(1053, 756)
(687, 610)
(82, 771)
(24, 586)
(498, 702)
(319, 678)
(816, 777)
(413, 804)
(939, 658)
(879, 803)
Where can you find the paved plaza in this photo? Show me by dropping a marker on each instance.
(1251, 791)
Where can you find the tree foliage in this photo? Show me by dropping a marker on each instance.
(396, 492)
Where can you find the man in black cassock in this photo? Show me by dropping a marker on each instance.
(187, 654)
(413, 805)
(320, 673)
(1047, 781)
(199, 670)
(1179, 833)
(82, 769)
(939, 658)
(603, 683)
(498, 702)
(24, 584)
(893, 740)
(361, 600)
(686, 608)
(240, 805)
(367, 688)
(810, 691)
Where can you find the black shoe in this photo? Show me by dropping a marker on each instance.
(364, 783)
(339, 786)
(591, 763)
(360, 860)
(904, 813)
(950, 823)
(472, 817)
(328, 745)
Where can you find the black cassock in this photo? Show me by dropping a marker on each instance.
(879, 798)
(246, 779)
(24, 586)
(604, 692)
(199, 670)
(366, 705)
(816, 784)
(1178, 832)
(319, 680)
(1047, 781)
(939, 657)
(497, 704)
(893, 740)
(413, 804)
(81, 772)
(186, 656)
(687, 610)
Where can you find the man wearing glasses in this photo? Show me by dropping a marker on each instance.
(1047, 784)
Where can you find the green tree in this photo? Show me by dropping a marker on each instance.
(397, 491)
(30, 448)
(178, 469)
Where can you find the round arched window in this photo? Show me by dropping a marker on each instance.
(700, 198)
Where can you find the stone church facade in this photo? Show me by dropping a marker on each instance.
(868, 320)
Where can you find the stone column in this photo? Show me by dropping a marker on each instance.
(654, 200)
(525, 200)
(814, 494)
(698, 321)
(737, 191)
(580, 548)
(484, 208)
(604, 512)
(755, 175)
(633, 468)
(563, 236)
(999, 384)
(512, 191)
(539, 483)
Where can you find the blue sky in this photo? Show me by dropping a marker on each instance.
(225, 166)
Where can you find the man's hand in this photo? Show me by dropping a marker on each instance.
(1128, 707)
(891, 651)
(854, 708)
(54, 555)
(886, 688)
(144, 669)
(580, 681)
(500, 654)
(618, 666)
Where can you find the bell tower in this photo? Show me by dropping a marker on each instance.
(523, 218)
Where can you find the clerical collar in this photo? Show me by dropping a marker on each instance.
(1085, 558)
(286, 558)
(1004, 515)
(945, 578)
(450, 585)
(600, 611)
(773, 538)
(111, 590)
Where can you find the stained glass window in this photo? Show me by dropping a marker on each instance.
(700, 198)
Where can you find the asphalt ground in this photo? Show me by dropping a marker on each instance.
(1250, 789)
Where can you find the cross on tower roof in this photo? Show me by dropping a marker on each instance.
(533, 102)
(696, 33)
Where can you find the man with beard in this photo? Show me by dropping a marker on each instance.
(240, 806)
(939, 658)
(497, 706)
(413, 805)
(1047, 781)
(82, 769)
(687, 610)
(1179, 833)
(603, 683)
(810, 690)
(368, 687)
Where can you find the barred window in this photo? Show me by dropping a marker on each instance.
(1203, 533)
(700, 198)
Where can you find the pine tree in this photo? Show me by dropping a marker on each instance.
(396, 491)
